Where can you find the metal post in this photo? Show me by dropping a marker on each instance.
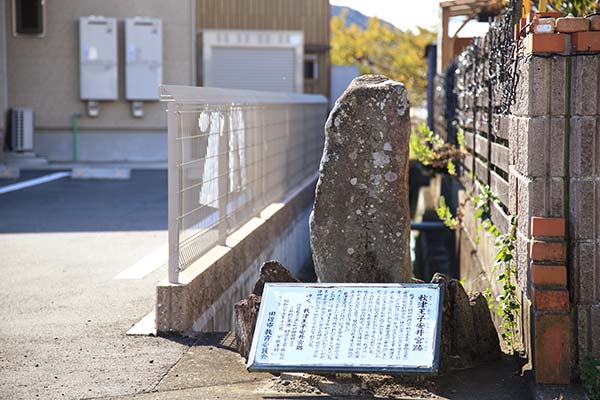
(174, 195)
(75, 131)
(223, 173)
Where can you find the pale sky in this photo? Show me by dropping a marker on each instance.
(408, 14)
(405, 14)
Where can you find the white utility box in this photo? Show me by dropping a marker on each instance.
(21, 129)
(98, 61)
(143, 66)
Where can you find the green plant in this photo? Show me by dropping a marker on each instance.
(432, 151)
(575, 7)
(589, 372)
(482, 202)
(445, 214)
(460, 139)
(508, 304)
(489, 297)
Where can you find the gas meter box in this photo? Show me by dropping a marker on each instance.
(98, 62)
(143, 66)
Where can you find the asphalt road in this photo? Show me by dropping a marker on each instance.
(64, 316)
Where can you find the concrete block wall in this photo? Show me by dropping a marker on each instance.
(584, 202)
(553, 139)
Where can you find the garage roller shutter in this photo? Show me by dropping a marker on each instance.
(270, 69)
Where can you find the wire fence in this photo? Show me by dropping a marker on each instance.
(231, 154)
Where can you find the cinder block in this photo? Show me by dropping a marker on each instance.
(540, 84)
(583, 272)
(549, 227)
(522, 260)
(558, 81)
(584, 95)
(595, 325)
(583, 205)
(512, 193)
(523, 205)
(556, 207)
(556, 154)
(552, 348)
(549, 299)
(572, 24)
(538, 197)
(547, 251)
(531, 159)
(582, 153)
(514, 133)
(583, 331)
(521, 106)
(549, 275)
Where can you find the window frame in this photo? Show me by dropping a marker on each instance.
(13, 11)
(314, 59)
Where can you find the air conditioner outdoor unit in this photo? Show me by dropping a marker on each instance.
(21, 129)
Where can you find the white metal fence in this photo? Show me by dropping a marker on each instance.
(232, 153)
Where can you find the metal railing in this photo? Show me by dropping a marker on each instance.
(232, 153)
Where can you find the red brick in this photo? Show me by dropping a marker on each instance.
(585, 41)
(552, 348)
(544, 43)
(547, 251)
(547, 14)
(549, 275)
(572, 24)
(595, 23)
(550, 227)
(549, 299)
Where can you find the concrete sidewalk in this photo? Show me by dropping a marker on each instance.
(211, 369)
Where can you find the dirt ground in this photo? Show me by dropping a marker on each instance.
(495, 381)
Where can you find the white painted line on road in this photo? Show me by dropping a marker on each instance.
(145, 327)
(147, 265)
(34, 182)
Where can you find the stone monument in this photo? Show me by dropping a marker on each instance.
(360, 224)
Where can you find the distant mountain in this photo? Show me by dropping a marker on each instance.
(355, 17)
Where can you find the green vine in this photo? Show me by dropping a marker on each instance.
(482, 202)
(432, 151)
(444, 213)
(589, 372)
(508, 303)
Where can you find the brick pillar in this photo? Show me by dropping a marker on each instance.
(550, 301)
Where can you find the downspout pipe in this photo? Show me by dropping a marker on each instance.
(75, 133)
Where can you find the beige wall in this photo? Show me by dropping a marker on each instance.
(309, 16)
(44, 72)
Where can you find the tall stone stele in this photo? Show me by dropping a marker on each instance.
(360, 224)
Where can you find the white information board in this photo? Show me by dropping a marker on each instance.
(348, 327)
